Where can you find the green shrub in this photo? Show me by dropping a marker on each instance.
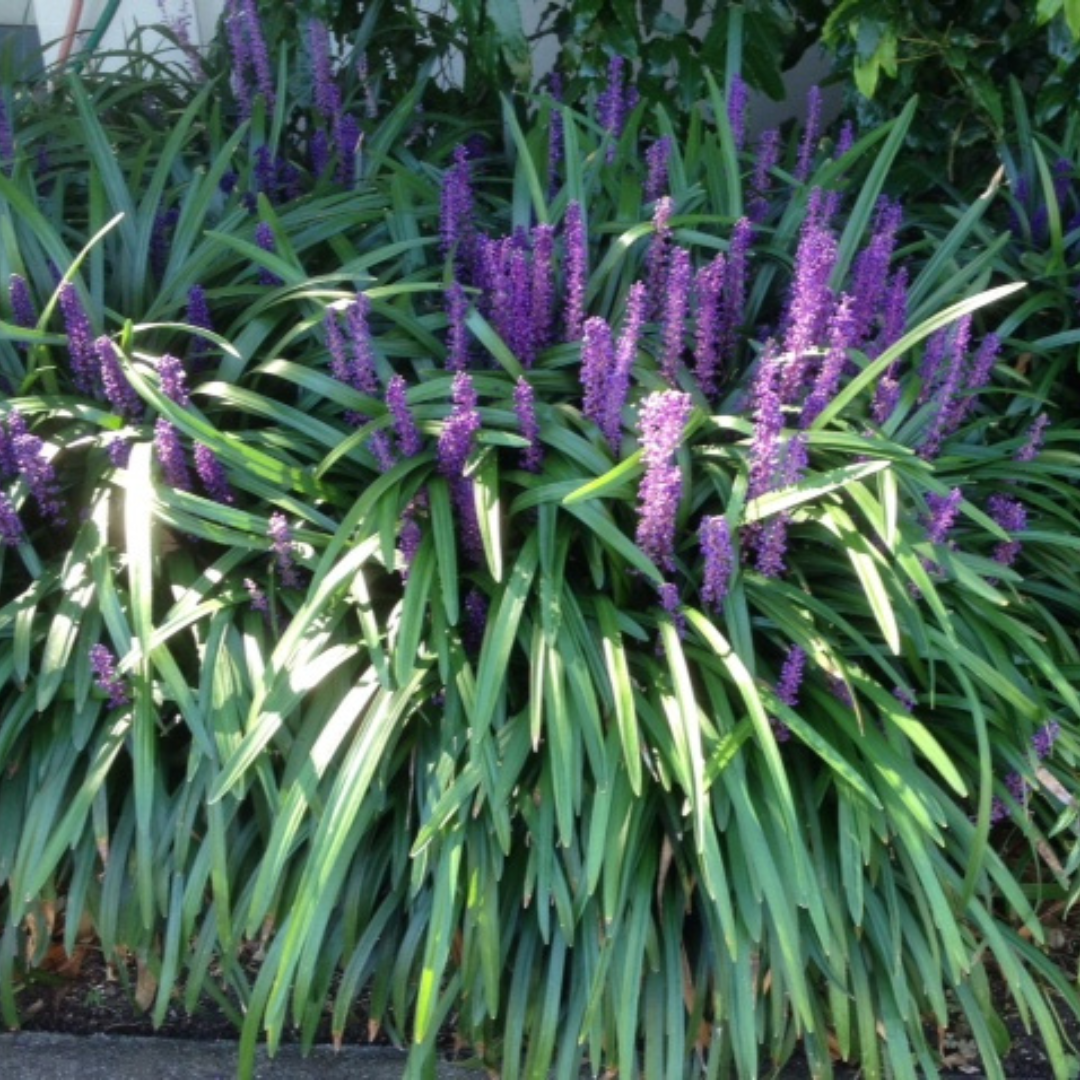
(676, 728)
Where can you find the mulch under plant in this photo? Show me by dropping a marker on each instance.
(82, 994)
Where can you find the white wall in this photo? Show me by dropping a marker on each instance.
(52, 18)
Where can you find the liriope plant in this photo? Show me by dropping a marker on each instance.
(598, 593)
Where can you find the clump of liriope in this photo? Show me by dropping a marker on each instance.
(620, 638)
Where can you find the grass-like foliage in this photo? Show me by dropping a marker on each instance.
(611, 596)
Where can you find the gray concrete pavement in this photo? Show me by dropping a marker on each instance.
(39, 1056)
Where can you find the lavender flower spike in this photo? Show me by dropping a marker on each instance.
(456, 440)
(327, 94)
(264, 238)
(170, 371)
(80, 340)
(1035, 435)
(577, 270)
(525, 409)
(22, 305)
(456, 221)
(662, 420)
(715, 538)
(118, 391)
(457, 333)
(28, 455)
(1011, 515)
(282, 548)
(170, 454)
(212, 474)
(708, 292)
(597, 360)
(618, 380)
(943, 511)
(674, 310)
(11, 529)
(738, 95)
(103, 664)
(787, 686)
(657, 158)
(811, 133)
(410, 441)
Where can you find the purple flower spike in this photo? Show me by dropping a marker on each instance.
(846, 140)
(9, 462)
(27, 453)
(1042, 742)
(259, 600)
(327, 95)
(119, 451)
(1011, 515)
(765, 160)
(260, 55)
(662, 420)
(455, 445)
(871, 269)
(811, 134)
(456, 440)
(976, 379)
(943, 511)
(103, 664)
(791, 677)
(456, 221)
(198, 315)
(170, 371)
(555, 131)
(735, 282)
(843, 328)
(948, 380)
(213, 476)
(363, 374)
(657, 158)
(457, 333)
(410, 442)
(768, 424)
(810, 302)
(350, 140)
(715, 539)
(170, 454)
(542, 289)
(525, 409)
(738, 96)
(886, 398)
(23, 311)
(1034, 441)
(618, 380)
(84, 364)
(11, 528)
(672, 604)
(674, 313)
(577, 270)
(597, 361)
(787, 688)
(410, 538)
(118, 391)
(656, 262)
(708, 293)
(613, 104)
(894, 318)
(282, 548)
(264, 238)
